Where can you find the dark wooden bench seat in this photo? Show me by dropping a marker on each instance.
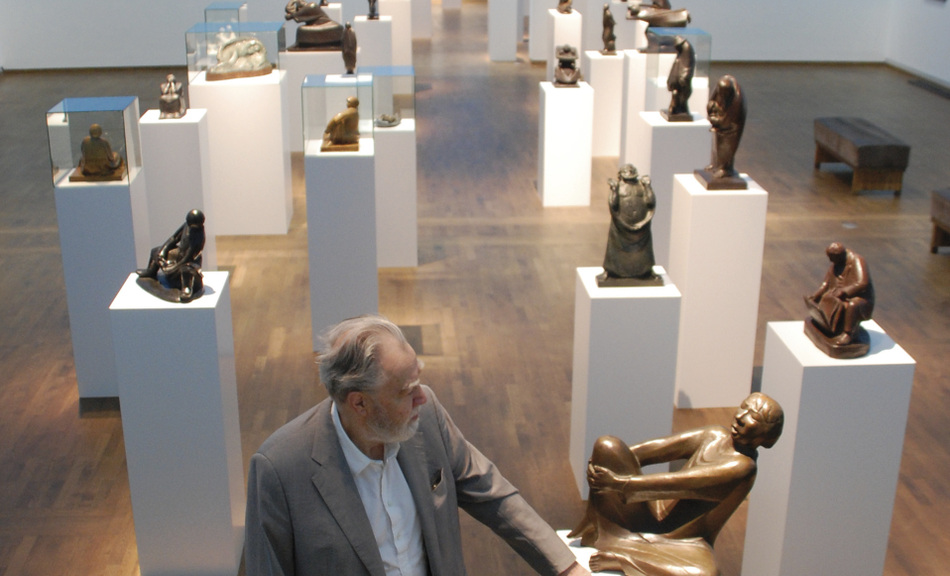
(877, 157)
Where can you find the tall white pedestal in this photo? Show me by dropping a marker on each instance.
(664, 149)
(397, 235)
(175, 160)
(103, 235)
(633, 99)
(175, 364)
(299, 65)
(716, 261)
(341, 234)
(422, 19)
(631, 34)
(539, 36)
(401, 13)
(375, 39)
(248, 127)
(624, 364)
(451, 4)
(823, 498)
(565, 141)
(605, 75)
(563, 29)
(502, 30)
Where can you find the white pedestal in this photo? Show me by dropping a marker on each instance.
(502, 30)
(631, 34)
(716, 261)
(401, 13)
(335, 11)
(605, 76)
(175, 364)
(250, 157)
(422, 19)
(451, 4)
(633, 99)
(175, 160)
(539, 36)
(298, 66)
(563, 29)
(823, 499)
(103, 235)
(663, 150)
(624, 364)
(341, 234)
(397, 243)
(658, 96)
(352, 9)
(375, 39)
(565, 141)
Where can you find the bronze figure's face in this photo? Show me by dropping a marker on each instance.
(758, 422)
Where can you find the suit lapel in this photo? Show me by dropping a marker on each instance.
(412, 461)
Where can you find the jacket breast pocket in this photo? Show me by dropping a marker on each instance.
(438, 485)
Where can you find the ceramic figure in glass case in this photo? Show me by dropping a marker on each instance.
(241, 58)
(343, 131)
(97, 161)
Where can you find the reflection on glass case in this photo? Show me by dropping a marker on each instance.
(226, 12)
(98, 136)
(323, 97)
(394, 93)
(204, 41)
(662, 51)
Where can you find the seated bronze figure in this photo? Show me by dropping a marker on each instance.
(97, 161)
(844, 300)
(343, 130)
(629, 259)
(171, 104)
(174, 268)
(318, 32)
(566, 73)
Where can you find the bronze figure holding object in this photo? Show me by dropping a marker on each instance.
(680, 82)
(629, 258)
(727, 112)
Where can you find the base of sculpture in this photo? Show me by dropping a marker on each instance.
(606, 281)
(857, 346)
(167, 293)
(115, 175)
(678, 117)
(212, 76)
(558, 84)
(711, 182)
(309, 48)
(331, 147)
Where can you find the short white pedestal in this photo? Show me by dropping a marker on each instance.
(397, 242)
(624, 364)
(103, 235)
(565, 141)
(341, 234)
(298, 65)
(663, 150)
(563, 29)
(539, 36)
(633, 99)
(401, 13)
(178, 388)
(824, 495)
(175, 160)
(422, 19)
(631, 34)
(375, 39)
(605, 75)
(502, 30)
(716, 261)
(250, 157)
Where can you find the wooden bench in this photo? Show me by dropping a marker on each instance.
(877, 157)
(940, 215)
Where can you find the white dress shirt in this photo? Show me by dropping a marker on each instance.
(389, 505)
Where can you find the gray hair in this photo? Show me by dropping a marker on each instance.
(348, 354)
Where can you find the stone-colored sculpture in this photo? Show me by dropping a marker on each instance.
(349, 49)
(608, 35)
(174, 268)
(343, 130)
(387, 120)
(844, 300)
(318, 31)
(680, 82)
(97, 161)
(171, 104)
(629, 258)
(240, 58)
(727, 112)
(567, 74)
(373, 13)
(565, 6)
(659, 17)
(666, 523)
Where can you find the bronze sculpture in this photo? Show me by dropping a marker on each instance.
(608, 36)
(174, 268)
(658, 16)
(240, 58)
(565, 6)
(343, 130)
(727, 112)
(349, 49)
(844, 300)
(387, 120)
(318, 31)
(97, 161)
(680, 82)
(666, 523)
(566, 73)
(373, 11)
(629, 258)
(171, 104)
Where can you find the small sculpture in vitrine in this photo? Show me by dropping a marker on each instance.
(608, 35)
(666, 523)
(349, 49)
(171, 103)
(565, 6)
(318, 31)
(240, 58)
(727, 111)
(680, 82)
(97, 161)
(387, 120)
(629, 258)
(343, 130)
(373, 13)
(174, 268)
(659, 15)
(844, 300)
(566, 72)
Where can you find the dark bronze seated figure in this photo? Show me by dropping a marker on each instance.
(97, 161)
(342, 133)
(844, 300)
(174, 268)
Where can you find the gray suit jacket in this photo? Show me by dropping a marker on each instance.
(305, 516)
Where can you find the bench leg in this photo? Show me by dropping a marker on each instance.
(940, 237)
(876, 179)
(822, 155)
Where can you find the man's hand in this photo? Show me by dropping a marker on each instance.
(575, 569)
(601, 479)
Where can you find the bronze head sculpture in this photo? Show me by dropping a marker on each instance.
(727, 113)
(629, 258)
(174, 268)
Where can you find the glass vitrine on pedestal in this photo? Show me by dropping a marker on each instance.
(325, 96)
(661, 53)
(204, 40)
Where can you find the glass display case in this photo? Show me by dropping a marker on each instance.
(324, 96)
(661, 52)
(228, 12)
(394, 92)
(204, 40)
(70, 123)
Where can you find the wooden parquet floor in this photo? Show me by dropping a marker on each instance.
(492, 297)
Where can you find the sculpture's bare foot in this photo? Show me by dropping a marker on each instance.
(602, 561)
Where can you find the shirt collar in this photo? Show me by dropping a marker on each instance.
(357, 461)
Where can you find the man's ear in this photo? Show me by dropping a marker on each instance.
(357, 402)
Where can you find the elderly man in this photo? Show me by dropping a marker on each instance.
(370, 480)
